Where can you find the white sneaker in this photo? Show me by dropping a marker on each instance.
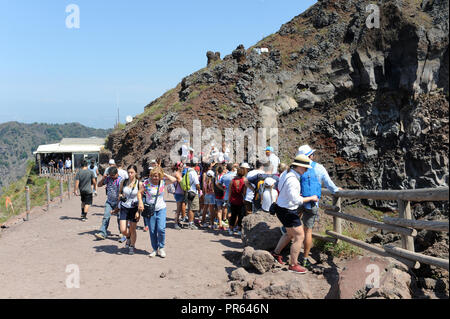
(152, 254)
(162, 253)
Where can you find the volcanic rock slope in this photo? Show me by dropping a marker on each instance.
(372, 101)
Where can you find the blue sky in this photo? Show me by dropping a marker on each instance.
(125, 52)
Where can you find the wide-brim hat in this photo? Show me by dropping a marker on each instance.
(302, 160)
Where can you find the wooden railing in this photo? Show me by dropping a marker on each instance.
(404, 224)
(57, 173)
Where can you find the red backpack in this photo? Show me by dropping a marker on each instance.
(237, 191)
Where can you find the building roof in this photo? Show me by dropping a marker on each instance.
(73, 145)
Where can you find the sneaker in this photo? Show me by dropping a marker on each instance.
(278, 258)
(230, 232)
(83, 217)
(130, 250)
(205, 225)
(192, 227)
(162, 253)
(239, 233)
(95, 194)
(145, 229)
(127, 245)
(122, 239)
(100, 236)
(177, 226)
(297, 269)
(307, 264)
(152, 254)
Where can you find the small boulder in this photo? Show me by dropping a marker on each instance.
(239, 274)
(261, 231)
(262, 261)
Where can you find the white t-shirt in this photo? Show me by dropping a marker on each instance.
(193, 180)
(68, 163)
(275, 161)
(250, 194)
(130, 192)
(184, 150)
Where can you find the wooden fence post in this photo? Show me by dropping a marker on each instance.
(61, 189)
(68, 187)
(404, 211)
(337, 222)
(48, 195)
(27, 190)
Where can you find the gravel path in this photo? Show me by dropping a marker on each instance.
(34, 256)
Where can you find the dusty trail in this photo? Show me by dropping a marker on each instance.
(34, 256)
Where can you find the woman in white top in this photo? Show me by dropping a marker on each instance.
(288, 202)
(153, 190)
(129, 201)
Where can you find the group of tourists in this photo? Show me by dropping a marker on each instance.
(57, 165)
(212, 195)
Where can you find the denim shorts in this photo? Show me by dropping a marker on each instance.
(220, 202)
(179, 197)
(210, 199)
(128, 214)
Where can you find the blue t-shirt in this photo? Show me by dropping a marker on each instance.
(226, 180)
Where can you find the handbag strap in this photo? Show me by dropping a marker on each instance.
(157, 192)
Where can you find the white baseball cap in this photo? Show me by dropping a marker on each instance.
(112, 162)
(305, 150)
(245, 165)
(269, 181)
(210, 173)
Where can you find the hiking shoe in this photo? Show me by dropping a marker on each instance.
(100, 236)
(192, 227)
(130, 250)
(122, 239)
(145, 229)
(152, 254)
(177, 227)
(297, 269)
(307, 264)
(278, 258)
(161, 253)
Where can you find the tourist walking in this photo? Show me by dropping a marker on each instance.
(191, 187)
(286, 210)
(112, 183)
(179, 195)
(84, 180)
(236, 199)
(155, 211)
(94, 169)
(209, 199)
(131, 206)
(273, 159)
(311, 184)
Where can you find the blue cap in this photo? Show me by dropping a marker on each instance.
(269, 148)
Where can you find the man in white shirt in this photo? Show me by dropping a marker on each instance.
(250, 194)
(273, 159)
(68, 165)
(122, 173)
(310, 211)
(288, 202)
(194, 204)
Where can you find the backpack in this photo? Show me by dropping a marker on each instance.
(310, 183)
(219, 193)
(236, 192)
(258, 194)
(185, 183)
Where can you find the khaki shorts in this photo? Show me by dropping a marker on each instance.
(309, 216)
(194, 205)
